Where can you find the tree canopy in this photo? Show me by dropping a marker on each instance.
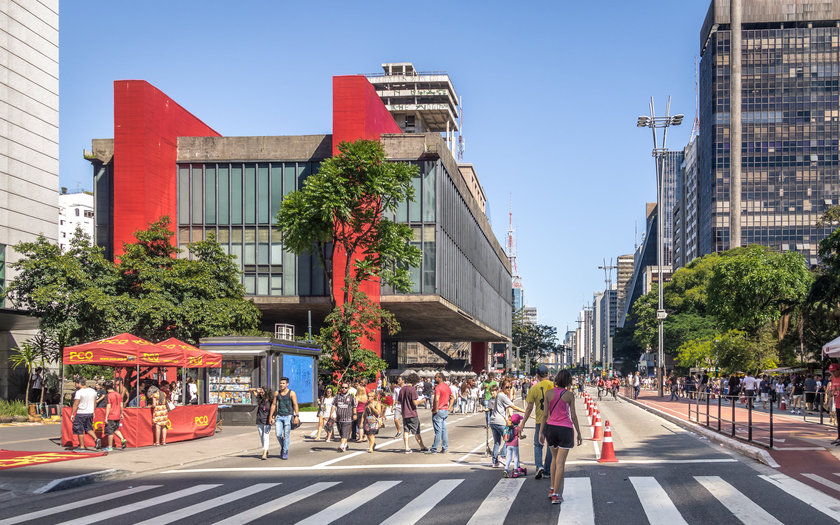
(343, 213)
(80, 296)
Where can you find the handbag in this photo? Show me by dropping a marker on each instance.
(170, 405)
(371, 423)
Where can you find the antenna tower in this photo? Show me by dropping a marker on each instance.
(511, 250)
(461, 129)
(695, 128)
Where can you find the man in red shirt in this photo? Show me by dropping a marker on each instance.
(113, 416)
(441, 405)
(834, 389)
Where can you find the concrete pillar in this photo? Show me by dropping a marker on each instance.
(478, 354)
(735, 124)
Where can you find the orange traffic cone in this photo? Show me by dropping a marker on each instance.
(607, 449)
(597, 428)
(783, 406)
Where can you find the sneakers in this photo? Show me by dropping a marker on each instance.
(431, 451)
(550, 493)
(408, 451)
(506, 474)
(98, 443)
(108, 449)
(124, 443)
(284, 455)
(556, 499)
(836, 442)
(540, 472)
(424, 449)
(398, 434)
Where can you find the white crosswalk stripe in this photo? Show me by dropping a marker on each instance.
(349, 504)
(170, 517)
(578, 508)
(119, 511)
(741, 506)
(822, 502)
(75, 505)
(422, 504)
(496, 505)
(481, 503)
(276, 504)
(655, 501)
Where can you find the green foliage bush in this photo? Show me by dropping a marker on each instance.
(13, 408)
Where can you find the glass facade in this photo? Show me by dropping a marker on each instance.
(237, 202)
(791, 127)
(673, 162)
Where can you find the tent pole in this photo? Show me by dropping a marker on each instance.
(137, 382)
(184, 385)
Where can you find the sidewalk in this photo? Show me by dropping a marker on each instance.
(39, 479)
(801, 447)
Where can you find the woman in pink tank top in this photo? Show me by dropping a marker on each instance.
(556, 427)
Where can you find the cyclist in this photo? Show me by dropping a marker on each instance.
(600, 387)
(614, 390)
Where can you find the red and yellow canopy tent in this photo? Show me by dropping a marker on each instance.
(127, 350)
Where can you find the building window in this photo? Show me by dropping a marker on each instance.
(88, 214)
(77, 212)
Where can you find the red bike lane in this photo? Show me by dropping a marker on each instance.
(801, 447)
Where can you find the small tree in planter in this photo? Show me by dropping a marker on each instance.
(29, 356)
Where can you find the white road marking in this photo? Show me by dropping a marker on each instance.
(349, 504)
(473, 451)
(261, 511)
(655, 501)
(140, 505)
(422, 504)
(76, 504)
(808, 495)
(386, 443)
(172, 516)
(741, 506)
(577, 506)
(819, 479)
(496, 505)
(783, 449)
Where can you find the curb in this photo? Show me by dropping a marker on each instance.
(750, 451)
(43, 487)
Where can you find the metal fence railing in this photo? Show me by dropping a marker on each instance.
(721, 416)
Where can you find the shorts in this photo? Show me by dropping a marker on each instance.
(765, 396)
(559, 437)
(344, 429)
(111, 426)
(82, 423)
(397, 413)
(809, 397)
(411, 425)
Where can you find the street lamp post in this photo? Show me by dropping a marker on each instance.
(608, 268)
(653, 122)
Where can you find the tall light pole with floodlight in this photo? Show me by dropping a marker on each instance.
(653, 122)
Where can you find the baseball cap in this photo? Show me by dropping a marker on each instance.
(542, 370)
(833, 366)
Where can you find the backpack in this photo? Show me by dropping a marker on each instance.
(509, 433)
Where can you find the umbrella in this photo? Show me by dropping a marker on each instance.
(832, 348)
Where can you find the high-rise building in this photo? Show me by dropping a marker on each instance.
(28, 148)
(518, 299)
(605, 320)
(75, 210)
(671, 172)
(531, 315)
(624, 275)
(688, 196)
(790, 110)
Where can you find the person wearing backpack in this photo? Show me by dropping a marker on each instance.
(511, 437)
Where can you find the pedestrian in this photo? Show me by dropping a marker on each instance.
(749, 389)
(372, 422)
(442, 401)
(284, 414)
(361, 402)
(397, 407)
(324, 410)
(559, 419)
(672, 382)
(119, 386)
(833, 393)
(101, 395)
(764, 390)
(486, 387)
(160, 415)
(265, 406)
(734, 385)
(535, 399)
(84, 401)
(500, 411)
(797, 395)
(810, 392)
(411, 419)
(464, 397)
(636, 386)
(513, 445)
(343, 411)
(113, 416)
(473, 397)
(37, 385)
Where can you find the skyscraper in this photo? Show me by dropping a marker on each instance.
(791, 124)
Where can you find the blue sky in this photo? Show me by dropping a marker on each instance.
(551, 92)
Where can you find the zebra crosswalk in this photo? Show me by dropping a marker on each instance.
(456, 500)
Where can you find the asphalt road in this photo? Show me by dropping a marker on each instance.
(664, 475)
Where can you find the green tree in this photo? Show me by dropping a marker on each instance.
(754, 286)
(29, 356)
(74, 293)
(189, 298)
(342, 213)
(820, 314)
(534, 340)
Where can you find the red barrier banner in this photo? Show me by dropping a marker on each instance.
(185, 423)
